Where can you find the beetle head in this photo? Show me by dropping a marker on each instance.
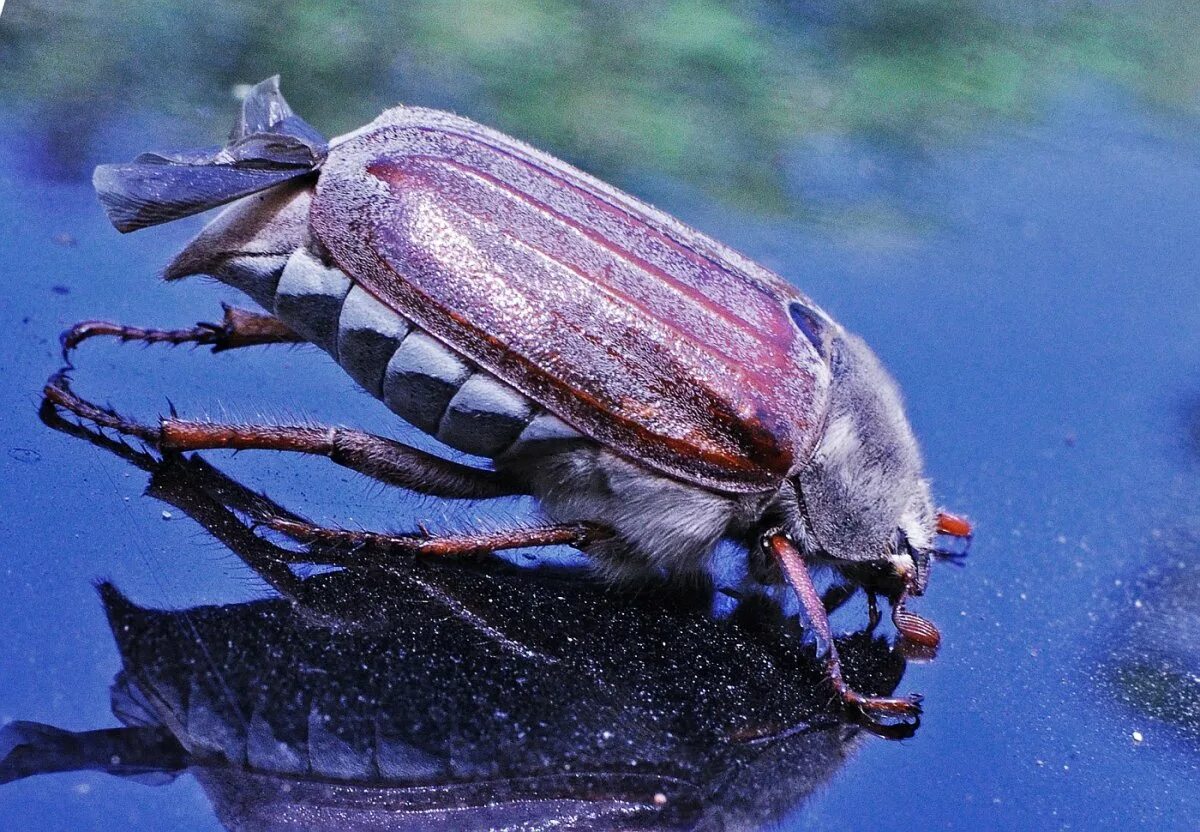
(862, 498)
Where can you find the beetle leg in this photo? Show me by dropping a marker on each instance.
(204, 494)
(873, 614)
(210, 498)
(796, 571)
(57, 395)
(436, 545)
(331, 543)
(238, 328)
(382, 459)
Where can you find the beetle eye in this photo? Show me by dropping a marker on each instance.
(810, 323)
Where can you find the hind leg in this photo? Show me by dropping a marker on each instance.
(331, 544)
(232, 513)
(381, 459)
(238, 328)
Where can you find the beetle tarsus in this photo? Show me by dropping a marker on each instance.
(381, 459)
(238, 328)
(52, 417)
(59, 394)
(905, 707)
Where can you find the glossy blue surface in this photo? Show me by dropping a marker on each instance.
(1041, 318)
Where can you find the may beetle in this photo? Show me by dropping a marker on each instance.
(656, 391)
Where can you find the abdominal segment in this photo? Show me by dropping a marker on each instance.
(415, 375)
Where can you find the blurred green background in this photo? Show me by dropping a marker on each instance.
(741, 100)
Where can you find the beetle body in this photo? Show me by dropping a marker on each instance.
(625, 369)
(692, 403)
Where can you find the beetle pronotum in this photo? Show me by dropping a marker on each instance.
(656, 391)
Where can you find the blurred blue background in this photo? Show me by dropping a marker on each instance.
(1004, 200)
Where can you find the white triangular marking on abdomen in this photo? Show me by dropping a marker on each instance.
(309, 298)
(484, 417)
(368, 335)
(421, 379)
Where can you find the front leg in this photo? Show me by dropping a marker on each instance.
(781, 549)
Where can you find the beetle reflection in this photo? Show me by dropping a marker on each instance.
(415, 695)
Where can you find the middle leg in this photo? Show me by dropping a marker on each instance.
(577, 535)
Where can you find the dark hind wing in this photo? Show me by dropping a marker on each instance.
(140, 194)
(269, 144)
